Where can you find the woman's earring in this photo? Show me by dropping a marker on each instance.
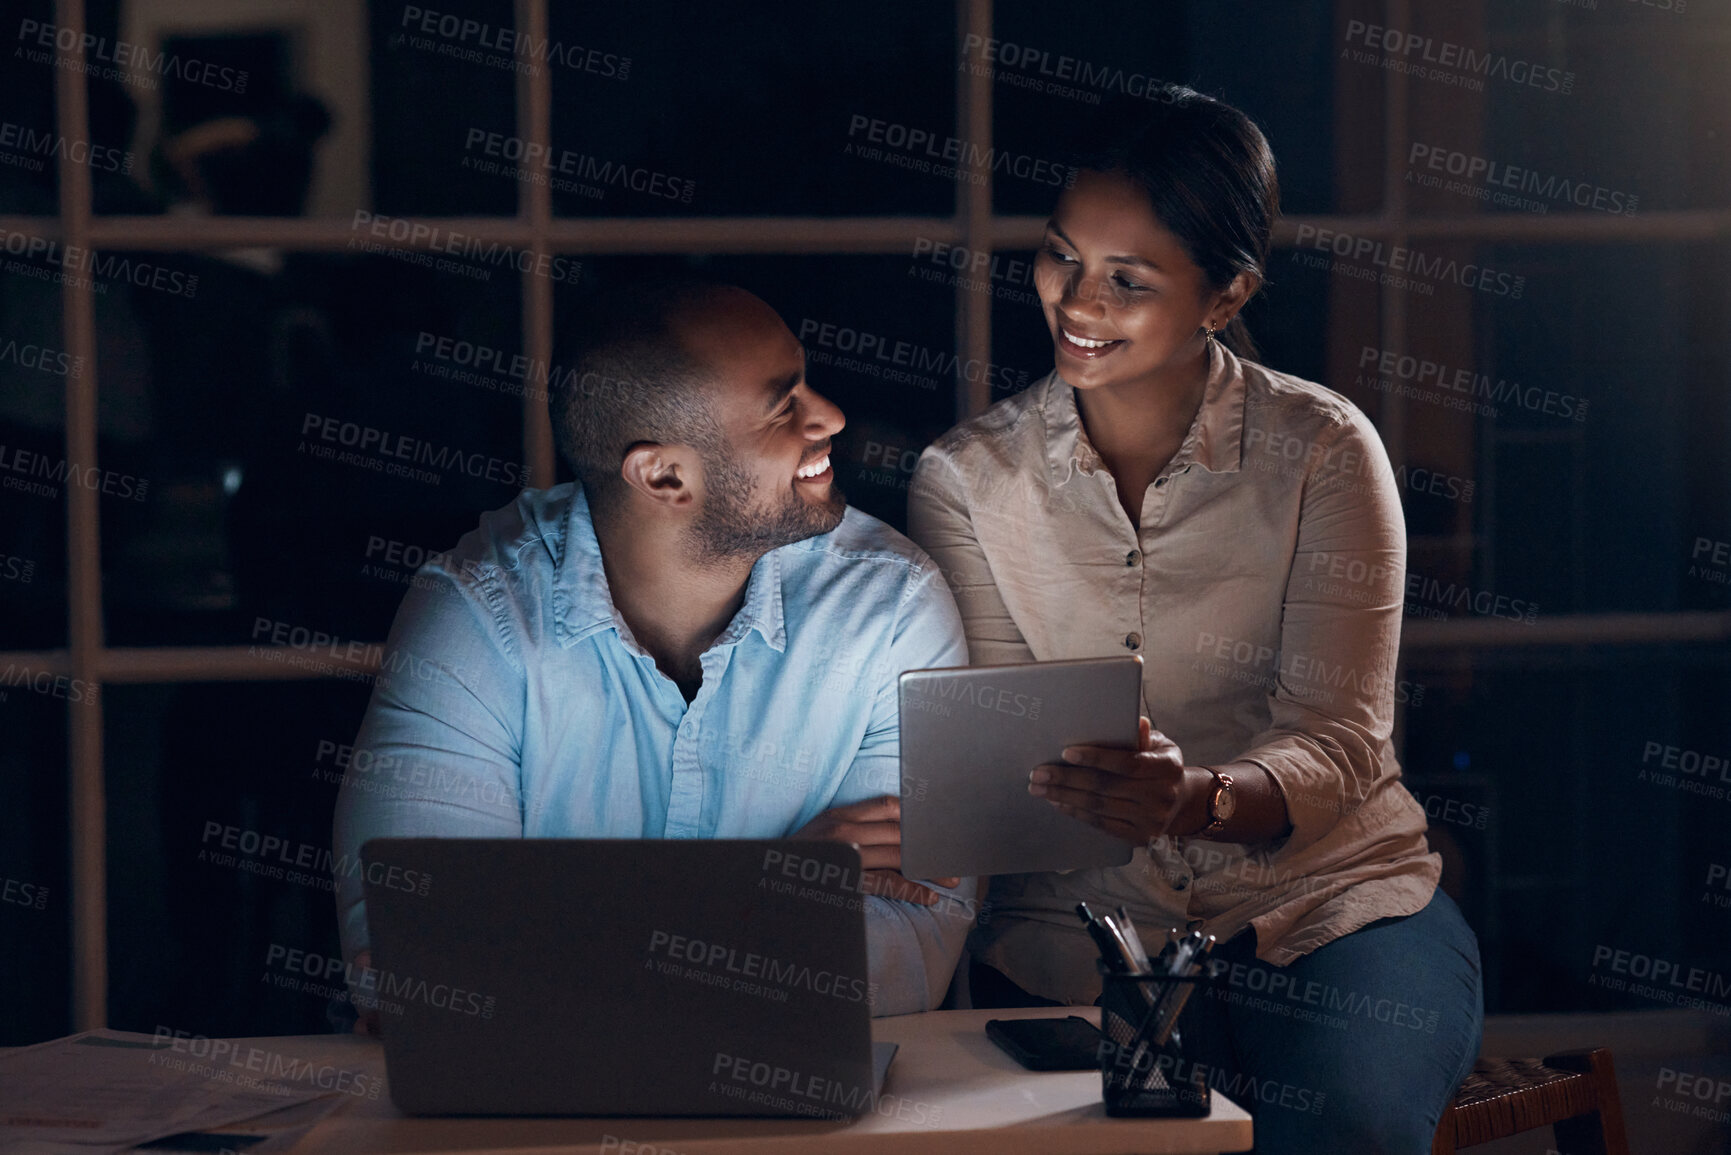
(1207, 333)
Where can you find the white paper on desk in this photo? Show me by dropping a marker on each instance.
(110, 1090)
(264, 1134)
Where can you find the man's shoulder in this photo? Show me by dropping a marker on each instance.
(861, 538)
(862, 585)
(523, 540)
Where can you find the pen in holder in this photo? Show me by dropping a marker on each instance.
(1144, 1066)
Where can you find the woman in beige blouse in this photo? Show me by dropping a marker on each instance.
(1239, 528)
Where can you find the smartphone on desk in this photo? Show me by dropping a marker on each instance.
(1071, 1044)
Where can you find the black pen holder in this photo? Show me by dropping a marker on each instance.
(1145, 1067)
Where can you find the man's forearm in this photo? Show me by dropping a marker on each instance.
(912, 950)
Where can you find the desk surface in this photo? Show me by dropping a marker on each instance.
(949, 1090)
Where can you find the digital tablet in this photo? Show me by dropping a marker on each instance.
(970, 737)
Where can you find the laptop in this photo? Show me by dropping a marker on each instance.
(970, 736)
(622, 977)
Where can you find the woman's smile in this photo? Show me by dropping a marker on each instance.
(1075, 342)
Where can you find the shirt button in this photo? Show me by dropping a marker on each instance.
(1133, 557)
(1159, 481)
(1133, 641)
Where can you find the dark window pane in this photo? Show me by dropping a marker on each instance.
(29, 173)
(314, 423)
(35, 367)
(1050, 70)
(1529, 739)
(1019, 334)
(200, 776)
(1642, 123)
(35, 895)
(786, 108)
(1594, 387)
(438, 85)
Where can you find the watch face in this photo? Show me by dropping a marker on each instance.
(1224, 803)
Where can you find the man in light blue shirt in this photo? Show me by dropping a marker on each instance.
(701, 640)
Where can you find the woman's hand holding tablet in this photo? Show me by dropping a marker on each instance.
(1131, 794)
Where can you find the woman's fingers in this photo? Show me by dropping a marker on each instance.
(1130, 779)
(1054, 775)
(1105, 806)
(1161, 751)
(1126, 829)
(1107, 758)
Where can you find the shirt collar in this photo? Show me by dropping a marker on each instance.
(583, 604)
(1214, 440)
(762, 608)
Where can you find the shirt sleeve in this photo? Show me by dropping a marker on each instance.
(1332, 705)
(940, 524)
(438, 753)
(912, 950)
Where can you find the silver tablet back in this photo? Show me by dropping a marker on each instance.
(970, 737)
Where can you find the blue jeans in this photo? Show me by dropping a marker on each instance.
(1356, 1047)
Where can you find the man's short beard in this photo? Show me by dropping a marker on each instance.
(732, 526)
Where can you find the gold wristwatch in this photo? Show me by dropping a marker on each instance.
(1221, 804)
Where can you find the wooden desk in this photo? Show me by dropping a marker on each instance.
(950, 1091)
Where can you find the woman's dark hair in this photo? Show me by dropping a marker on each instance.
(1209, 176)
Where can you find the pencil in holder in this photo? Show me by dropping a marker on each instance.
(1145, 1067)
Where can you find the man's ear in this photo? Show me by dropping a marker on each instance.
(663, 473)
